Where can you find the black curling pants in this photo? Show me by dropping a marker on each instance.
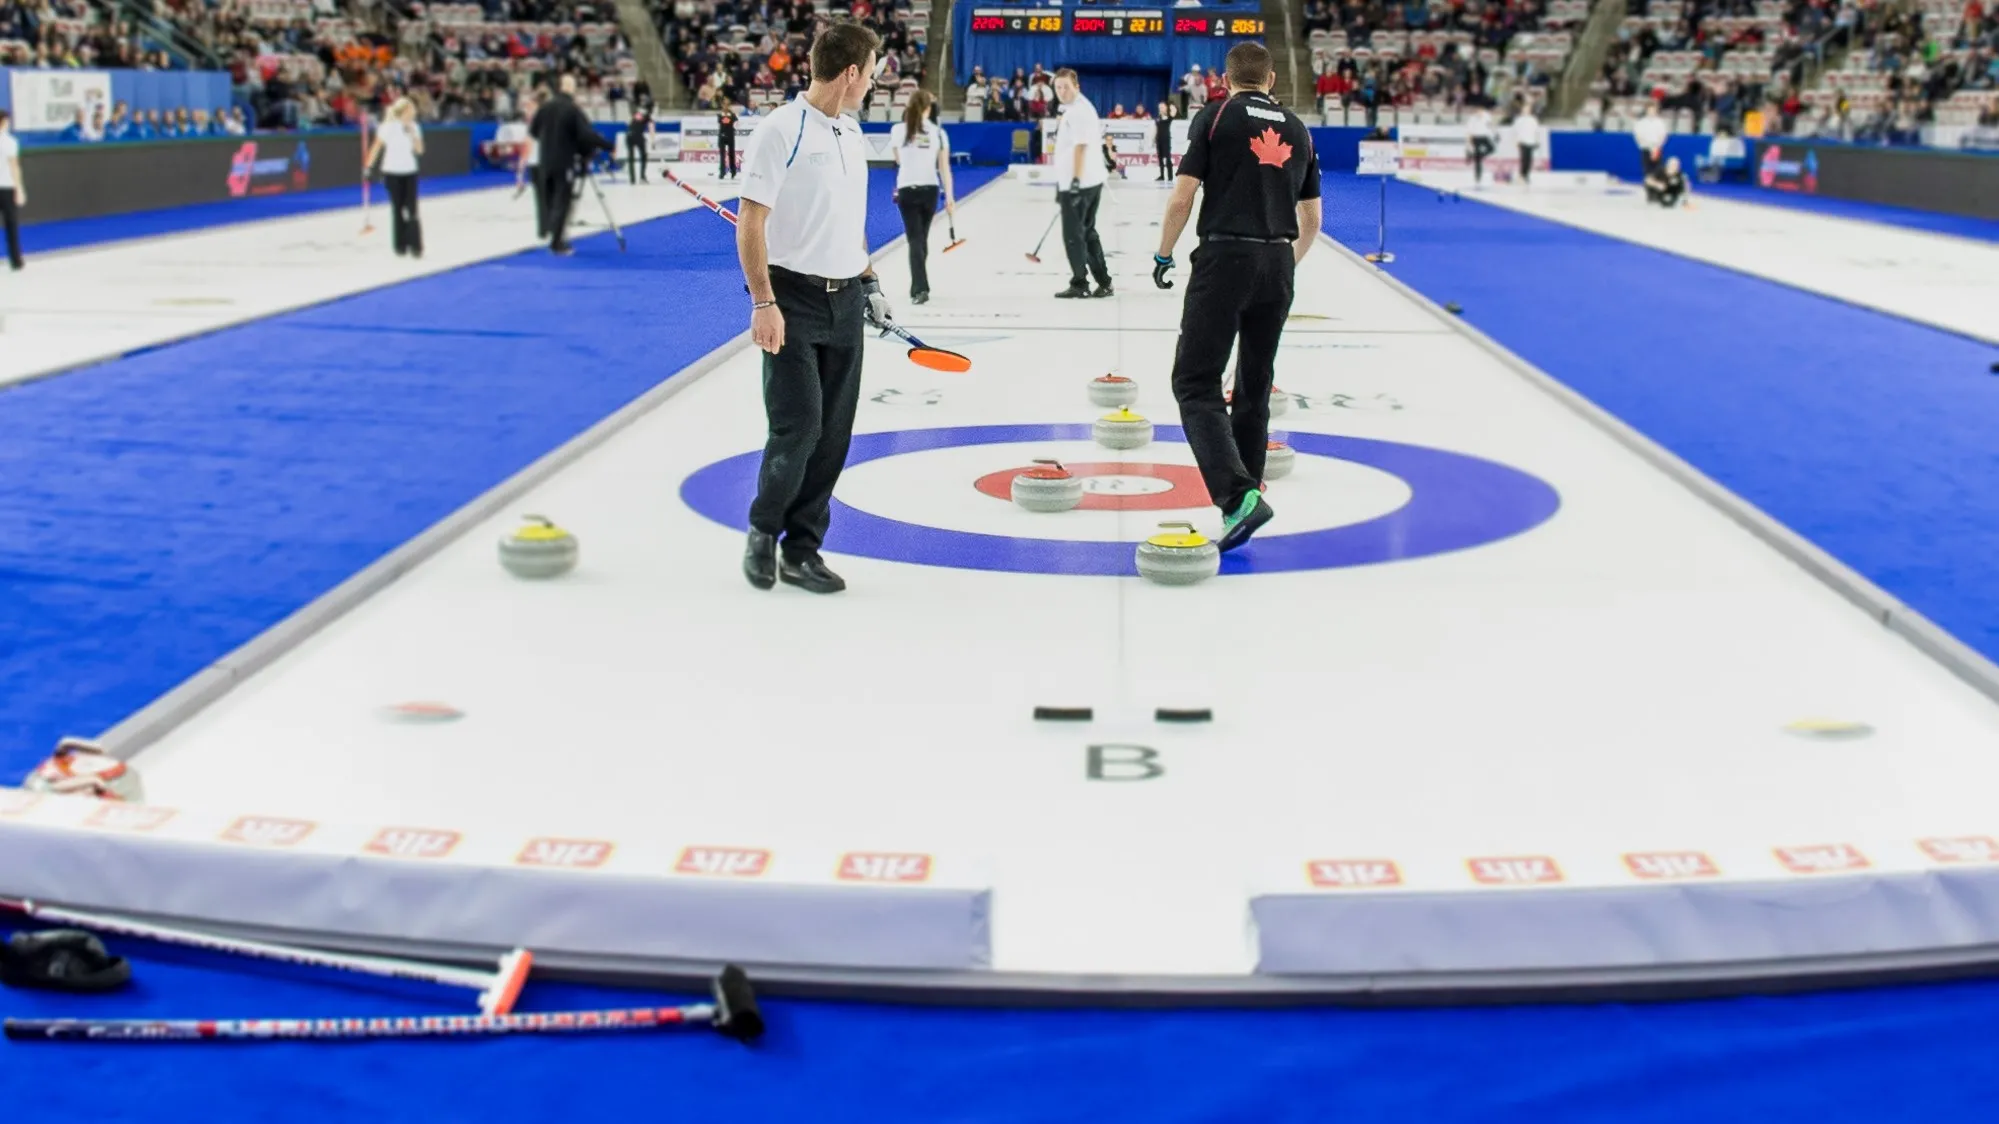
(812, 387)
(1079, 235)
(918, 206)
(1237, 298)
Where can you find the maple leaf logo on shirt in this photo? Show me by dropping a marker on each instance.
(1270, 148)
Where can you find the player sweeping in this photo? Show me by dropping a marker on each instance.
(1253, 161)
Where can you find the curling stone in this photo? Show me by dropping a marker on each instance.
(1113, 390)
(539, 550)
(1122, 430)
(1047, 487)
(81, 767)
(1278, 460)
(1178, 555)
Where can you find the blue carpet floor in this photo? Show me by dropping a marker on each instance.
(163, 508)
(1866, 433)
(69, 234)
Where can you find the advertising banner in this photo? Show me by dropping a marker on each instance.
(79, 181)
(50, 99)
(1130, 137)
(1950, 183)
(1447, 149)
(698, 135)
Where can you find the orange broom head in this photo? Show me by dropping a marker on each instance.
(939, 360)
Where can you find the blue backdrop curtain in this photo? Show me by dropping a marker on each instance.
(1108, 88)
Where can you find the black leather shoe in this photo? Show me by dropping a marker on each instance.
(760, 560)
(811, 575)
(1073, 292)
(1102, 291)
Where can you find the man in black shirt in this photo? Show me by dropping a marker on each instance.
(638, 143)
(725, 141)
(1666, 184)
(1162, 141)
(566, 142)
(1260, 213)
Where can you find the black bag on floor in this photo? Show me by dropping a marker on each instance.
(61, 960)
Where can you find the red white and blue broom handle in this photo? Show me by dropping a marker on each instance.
(700, 198)
(498, 989)
(426, 1026)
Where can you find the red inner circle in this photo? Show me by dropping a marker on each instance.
(1187, 491)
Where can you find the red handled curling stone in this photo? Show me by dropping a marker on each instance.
(1278, 460)
(1113, 390)
(1047, 487)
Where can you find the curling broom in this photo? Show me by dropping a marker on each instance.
(920, 353)
(733, 1014)
(498, 989)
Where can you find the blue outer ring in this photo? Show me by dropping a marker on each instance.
(1456, 502)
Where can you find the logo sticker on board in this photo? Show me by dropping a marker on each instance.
(1663, 866)
(871, 866)
(1828, 858)
(1962, 849)
(267, 831)
(1353, 874)
(727, 862)
(412, 843)
(1514, 870)
(573, 854)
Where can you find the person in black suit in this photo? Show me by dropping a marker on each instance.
(638, 143)
(1162, 141)
(566, 143)
(725, 142)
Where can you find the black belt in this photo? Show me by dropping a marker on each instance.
(1246, 238)
(829, 284)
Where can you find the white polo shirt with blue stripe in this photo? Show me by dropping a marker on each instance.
(811, 170)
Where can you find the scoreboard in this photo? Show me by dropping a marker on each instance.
(1109, 21)
(1218, 25)
(1037, 21)
(1118, 21)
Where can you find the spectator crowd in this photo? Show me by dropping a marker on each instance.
(756, 52)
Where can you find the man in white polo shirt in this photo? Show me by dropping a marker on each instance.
(1650, 134)
(1079, 178)
(802, 240)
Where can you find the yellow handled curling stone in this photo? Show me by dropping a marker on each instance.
(1178, 555)
(539, 550)
(1122, 430)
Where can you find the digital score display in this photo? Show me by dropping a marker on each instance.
(1018, 21)
(1217, 25)
(1119, 23)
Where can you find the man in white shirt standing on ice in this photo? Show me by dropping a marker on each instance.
(1650, 135)
(1527, 137)
(802, 240)
(1079, 176)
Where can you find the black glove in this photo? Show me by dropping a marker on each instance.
(1161, 265)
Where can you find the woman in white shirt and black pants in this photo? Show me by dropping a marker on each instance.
(398, 145)
(13, 193)
(922, 168)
